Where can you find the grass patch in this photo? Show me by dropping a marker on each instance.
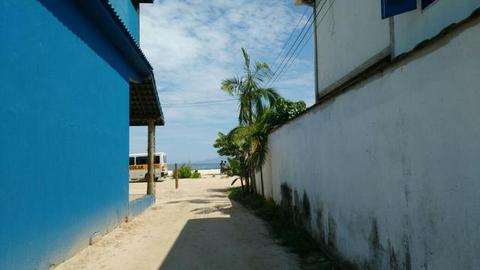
(281, 226)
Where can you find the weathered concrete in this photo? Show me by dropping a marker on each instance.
(387, 173)
(352, 36)
(413, 27)
(348, 36)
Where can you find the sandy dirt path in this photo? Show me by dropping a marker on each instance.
(195, 227)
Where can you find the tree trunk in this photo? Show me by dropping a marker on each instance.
(253, 182)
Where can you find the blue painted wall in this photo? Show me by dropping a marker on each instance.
(139, 205)
(129, 16)
(64, 120)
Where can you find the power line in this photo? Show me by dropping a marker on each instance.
(290, 36)
(290, 49)
(293, 45)
(289, 62)
(205, 102)
(284, 66)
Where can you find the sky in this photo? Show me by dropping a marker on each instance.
(195, 44)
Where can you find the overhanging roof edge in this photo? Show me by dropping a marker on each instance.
(122, 38)
(145, 104)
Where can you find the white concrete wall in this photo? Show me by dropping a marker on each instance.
(351, 33)
(391, 168)
(267, 179)
(416, 26)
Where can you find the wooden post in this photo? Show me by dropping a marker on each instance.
(176, 176)
(151, 158)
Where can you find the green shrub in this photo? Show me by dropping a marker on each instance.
(196, 174)
(233, 168)
(185, 171)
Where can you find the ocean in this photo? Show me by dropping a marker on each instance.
(198, 166)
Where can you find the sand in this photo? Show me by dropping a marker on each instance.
(194, 227)
(202, 172)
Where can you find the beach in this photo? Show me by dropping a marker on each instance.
(204, 173)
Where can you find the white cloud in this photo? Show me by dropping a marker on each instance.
(193, 45)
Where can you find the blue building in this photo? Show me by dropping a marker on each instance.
(73, 80)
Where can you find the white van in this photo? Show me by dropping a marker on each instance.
(138, 165)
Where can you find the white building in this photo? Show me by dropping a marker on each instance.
(384, 169)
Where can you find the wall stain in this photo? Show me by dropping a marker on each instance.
(297, 216)
(306, 207)
(408, 259)
(392, 260)
(320, 224)
(406, 192)
(376, 248)
(298, 210)
(332, 232)
(286, 200)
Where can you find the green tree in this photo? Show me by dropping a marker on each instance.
(236, 144)
(253, 98)
(260, 111)
(283, 111)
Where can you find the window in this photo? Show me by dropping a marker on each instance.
(142, 160)
(131, 161)
(157, 160)
(426, 3)
(394, 7)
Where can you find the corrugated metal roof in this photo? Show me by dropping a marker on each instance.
(144, 104)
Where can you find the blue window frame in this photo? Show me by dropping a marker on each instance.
(394, 7)
(426, 3)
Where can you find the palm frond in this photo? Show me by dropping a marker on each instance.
(261, 72)
(232, 86)
(246, 57)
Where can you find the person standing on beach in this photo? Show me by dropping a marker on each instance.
(222, 166)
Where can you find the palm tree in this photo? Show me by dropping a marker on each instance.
(253, 101)
(253, 98)
(282, 111)
(259, 146)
